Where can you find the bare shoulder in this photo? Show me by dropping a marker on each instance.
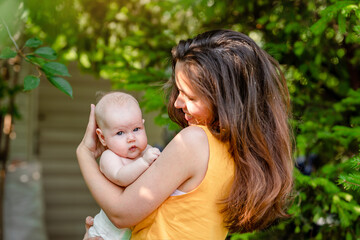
(193, 141)
(190, 139)
(193, 135)
(192, 147)
(108, 153)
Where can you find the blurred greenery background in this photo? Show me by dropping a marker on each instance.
(315, 41)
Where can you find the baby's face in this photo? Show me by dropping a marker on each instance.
(124, 130)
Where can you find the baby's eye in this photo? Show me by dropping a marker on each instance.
(136, 129)
(120, 133)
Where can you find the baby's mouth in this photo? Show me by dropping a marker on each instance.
(132, 148)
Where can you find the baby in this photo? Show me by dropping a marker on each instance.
(121, 130)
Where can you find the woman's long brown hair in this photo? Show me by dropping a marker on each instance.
(250, 104)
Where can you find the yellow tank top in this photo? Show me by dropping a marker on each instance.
(196, 214)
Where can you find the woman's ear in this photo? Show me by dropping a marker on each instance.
(101, 136)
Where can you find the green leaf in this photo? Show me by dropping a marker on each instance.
(61, 84)
(320, 26)
(55, 68)
(31, 82)
(344, 218)
(348, 236)
(342, 23)
(7, 53)
(46, 52)
(35, 60)
(33, 43)
(299, 48)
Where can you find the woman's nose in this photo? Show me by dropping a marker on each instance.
(179, 103)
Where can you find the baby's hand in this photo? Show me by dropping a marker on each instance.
(151, 154)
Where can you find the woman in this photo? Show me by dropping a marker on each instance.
(232, 160)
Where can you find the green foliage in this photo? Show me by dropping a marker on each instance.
(320, 210)
(40, 59)
(316, 42)
(52, 70)
(351, 181)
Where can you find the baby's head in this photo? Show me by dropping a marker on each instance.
(120, 124)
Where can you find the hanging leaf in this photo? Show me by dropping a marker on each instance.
(46, 52)
(55, 68)
(62, 84)
(33, 43)
(31, 82)
(7, 53)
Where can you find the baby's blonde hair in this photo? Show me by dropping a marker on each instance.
(110, 98)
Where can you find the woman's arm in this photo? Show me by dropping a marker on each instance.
(182, 164)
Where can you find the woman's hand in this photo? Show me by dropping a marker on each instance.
(89, 221)
(90, 143)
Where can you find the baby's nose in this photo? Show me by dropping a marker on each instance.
(131, 137)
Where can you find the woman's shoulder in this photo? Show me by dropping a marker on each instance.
(192, 140)
(192, 148)
(193, 134)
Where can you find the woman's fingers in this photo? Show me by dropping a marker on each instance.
(90, 134)
(92, 122)
(90, 141)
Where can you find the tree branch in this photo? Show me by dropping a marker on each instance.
(9, 33)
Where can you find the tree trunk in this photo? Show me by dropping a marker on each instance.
(2, 187)
(5, 135)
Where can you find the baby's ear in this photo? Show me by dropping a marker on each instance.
(101, 136)
(143, 121)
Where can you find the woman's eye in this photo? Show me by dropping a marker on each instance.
(189, 98)
(120, 133)
(136, 129)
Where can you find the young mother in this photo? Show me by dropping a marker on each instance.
(232, 160)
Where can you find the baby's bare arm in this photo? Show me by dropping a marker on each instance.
(122, 173)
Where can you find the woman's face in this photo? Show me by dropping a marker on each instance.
(196, 108)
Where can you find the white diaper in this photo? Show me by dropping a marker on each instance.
(104, 228)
